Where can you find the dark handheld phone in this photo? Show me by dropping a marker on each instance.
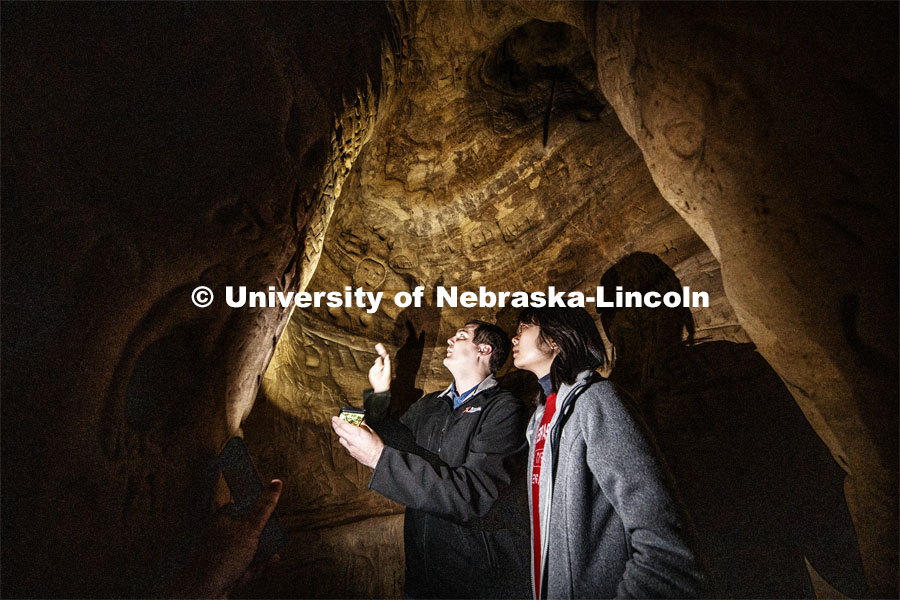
(245, 486)
(354, 416)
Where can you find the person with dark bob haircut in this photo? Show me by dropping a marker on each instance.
(605, 522)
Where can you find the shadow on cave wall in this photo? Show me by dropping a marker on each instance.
(761, 487)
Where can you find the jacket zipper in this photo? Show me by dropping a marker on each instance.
(425, 548)
(561, 418)
(425, 520)
(443, 430)
(450, 414)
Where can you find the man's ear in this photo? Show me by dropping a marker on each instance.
(485, 349)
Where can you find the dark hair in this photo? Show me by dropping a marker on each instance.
(496, 338)
(574, 332)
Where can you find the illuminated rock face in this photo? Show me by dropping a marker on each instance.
(149, 150)
(457, 188)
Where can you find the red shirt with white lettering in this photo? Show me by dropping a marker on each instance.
(539, 439)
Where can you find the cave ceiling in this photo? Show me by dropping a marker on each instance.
(498, 162)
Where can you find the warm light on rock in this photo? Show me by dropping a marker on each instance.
(388, 153)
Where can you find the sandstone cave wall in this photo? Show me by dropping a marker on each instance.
(150, 148)
(772, 131)
(784, 167)
(456, 188)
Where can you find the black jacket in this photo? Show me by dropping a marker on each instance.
(461, 475)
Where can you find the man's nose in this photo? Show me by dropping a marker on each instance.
(451, 341)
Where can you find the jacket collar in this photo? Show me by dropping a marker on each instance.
(486, 384)
(566, 389)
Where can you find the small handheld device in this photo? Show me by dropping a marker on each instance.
(354, 416)
(245, 486)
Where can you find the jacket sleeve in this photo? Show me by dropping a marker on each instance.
(626, 466)
(378, 408)
(465, 492)
(396, 434)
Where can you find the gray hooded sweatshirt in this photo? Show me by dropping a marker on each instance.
(610, 524)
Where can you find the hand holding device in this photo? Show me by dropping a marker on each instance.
(235, 547)
(361, 442)
(354, 416)
(246, 488)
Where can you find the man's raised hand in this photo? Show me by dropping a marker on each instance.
(380, 373)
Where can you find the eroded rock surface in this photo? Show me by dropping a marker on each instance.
(761, 127)
(148, 149)
(466, 182)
